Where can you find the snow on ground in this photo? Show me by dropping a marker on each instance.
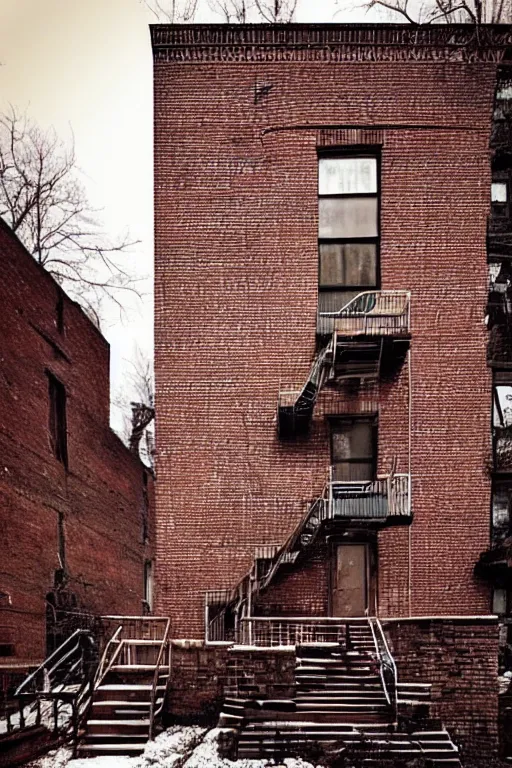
(178, 747)
(206, 755)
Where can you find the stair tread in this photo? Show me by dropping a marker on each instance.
(126, 746)
(117, 722)
(121, 703)
(134, 667)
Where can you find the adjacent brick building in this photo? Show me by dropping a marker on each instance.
(76, 505)
(312, 460)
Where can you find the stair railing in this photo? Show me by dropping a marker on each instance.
(388, 671)
(74, 657)
(109, 656)
(154, 710)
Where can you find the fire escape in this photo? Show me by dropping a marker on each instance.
(495, 564)
(365, 339)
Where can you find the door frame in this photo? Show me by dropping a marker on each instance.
(370, 540)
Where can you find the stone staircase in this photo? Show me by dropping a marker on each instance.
(340, 701)
(128, 697)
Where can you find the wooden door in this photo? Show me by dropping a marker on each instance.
(350, 580)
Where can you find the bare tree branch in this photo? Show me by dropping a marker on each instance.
(173, 11)
(435, 11)
(44, 202)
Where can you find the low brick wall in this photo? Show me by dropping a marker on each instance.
(459, 657)
(198, 677)
(261, 673)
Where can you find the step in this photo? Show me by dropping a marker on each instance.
(117, 728)
(122, 748)
(133, 668)
(369, 697)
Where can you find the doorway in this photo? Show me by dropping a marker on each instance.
(351, 591)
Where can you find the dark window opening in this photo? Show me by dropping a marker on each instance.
(145, 509)
(57, 421)
(148, 585)
(354, 448)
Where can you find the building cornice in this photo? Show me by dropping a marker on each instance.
(261, 43)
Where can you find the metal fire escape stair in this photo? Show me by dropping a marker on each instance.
(128, 697)
(295, 408)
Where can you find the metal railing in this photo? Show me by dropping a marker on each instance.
(163, 657)
(388, 495)
(388, 672)
(373, 313)
(64, 678)
(273, 632)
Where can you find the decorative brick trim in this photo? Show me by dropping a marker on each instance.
(255, 43)
(349, 136)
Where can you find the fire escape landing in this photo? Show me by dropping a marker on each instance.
(367, 338)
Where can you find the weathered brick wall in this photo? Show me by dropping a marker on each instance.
(460, 658)
(261, 674)
(202, 675)
(235, 305)
(300, 590)
(197, 681)
(99, 498)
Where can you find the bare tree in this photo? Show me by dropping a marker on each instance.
(276, 11)
(448, 11)
(45, 203)
(173, 11)
(137, 432)
(231, 11)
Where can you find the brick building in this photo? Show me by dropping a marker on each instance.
(322, 196)
(76, 505)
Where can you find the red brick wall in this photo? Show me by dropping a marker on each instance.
(236, 292)
(100, 497)
(460, 659)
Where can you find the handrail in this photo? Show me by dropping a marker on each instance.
(152, 711)
(101, 672)
(349, 307)
(387, 662)
(55, 655)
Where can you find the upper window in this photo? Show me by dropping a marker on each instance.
(353, 448)
(57, 420)
(348, 228)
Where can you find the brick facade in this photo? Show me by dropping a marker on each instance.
(86, 520)
(239, 116)
(458, 657)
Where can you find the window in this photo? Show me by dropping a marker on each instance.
(499, 198)
(348, 228)
(145, 509)
(148, 585)
(353, 448)
(57, 421)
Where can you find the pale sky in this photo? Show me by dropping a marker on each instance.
(85, 68)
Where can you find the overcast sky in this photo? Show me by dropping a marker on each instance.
(85, 68)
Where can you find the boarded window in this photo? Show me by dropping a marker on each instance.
(57, 419)
(353, 449)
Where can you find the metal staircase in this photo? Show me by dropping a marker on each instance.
(365, 339)
(129, 688)
(347, 697)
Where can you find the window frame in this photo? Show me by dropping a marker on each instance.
(372, 419)
(57, 418)
(360, 151)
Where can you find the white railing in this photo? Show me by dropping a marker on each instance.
(274, 632)
(373, 313)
